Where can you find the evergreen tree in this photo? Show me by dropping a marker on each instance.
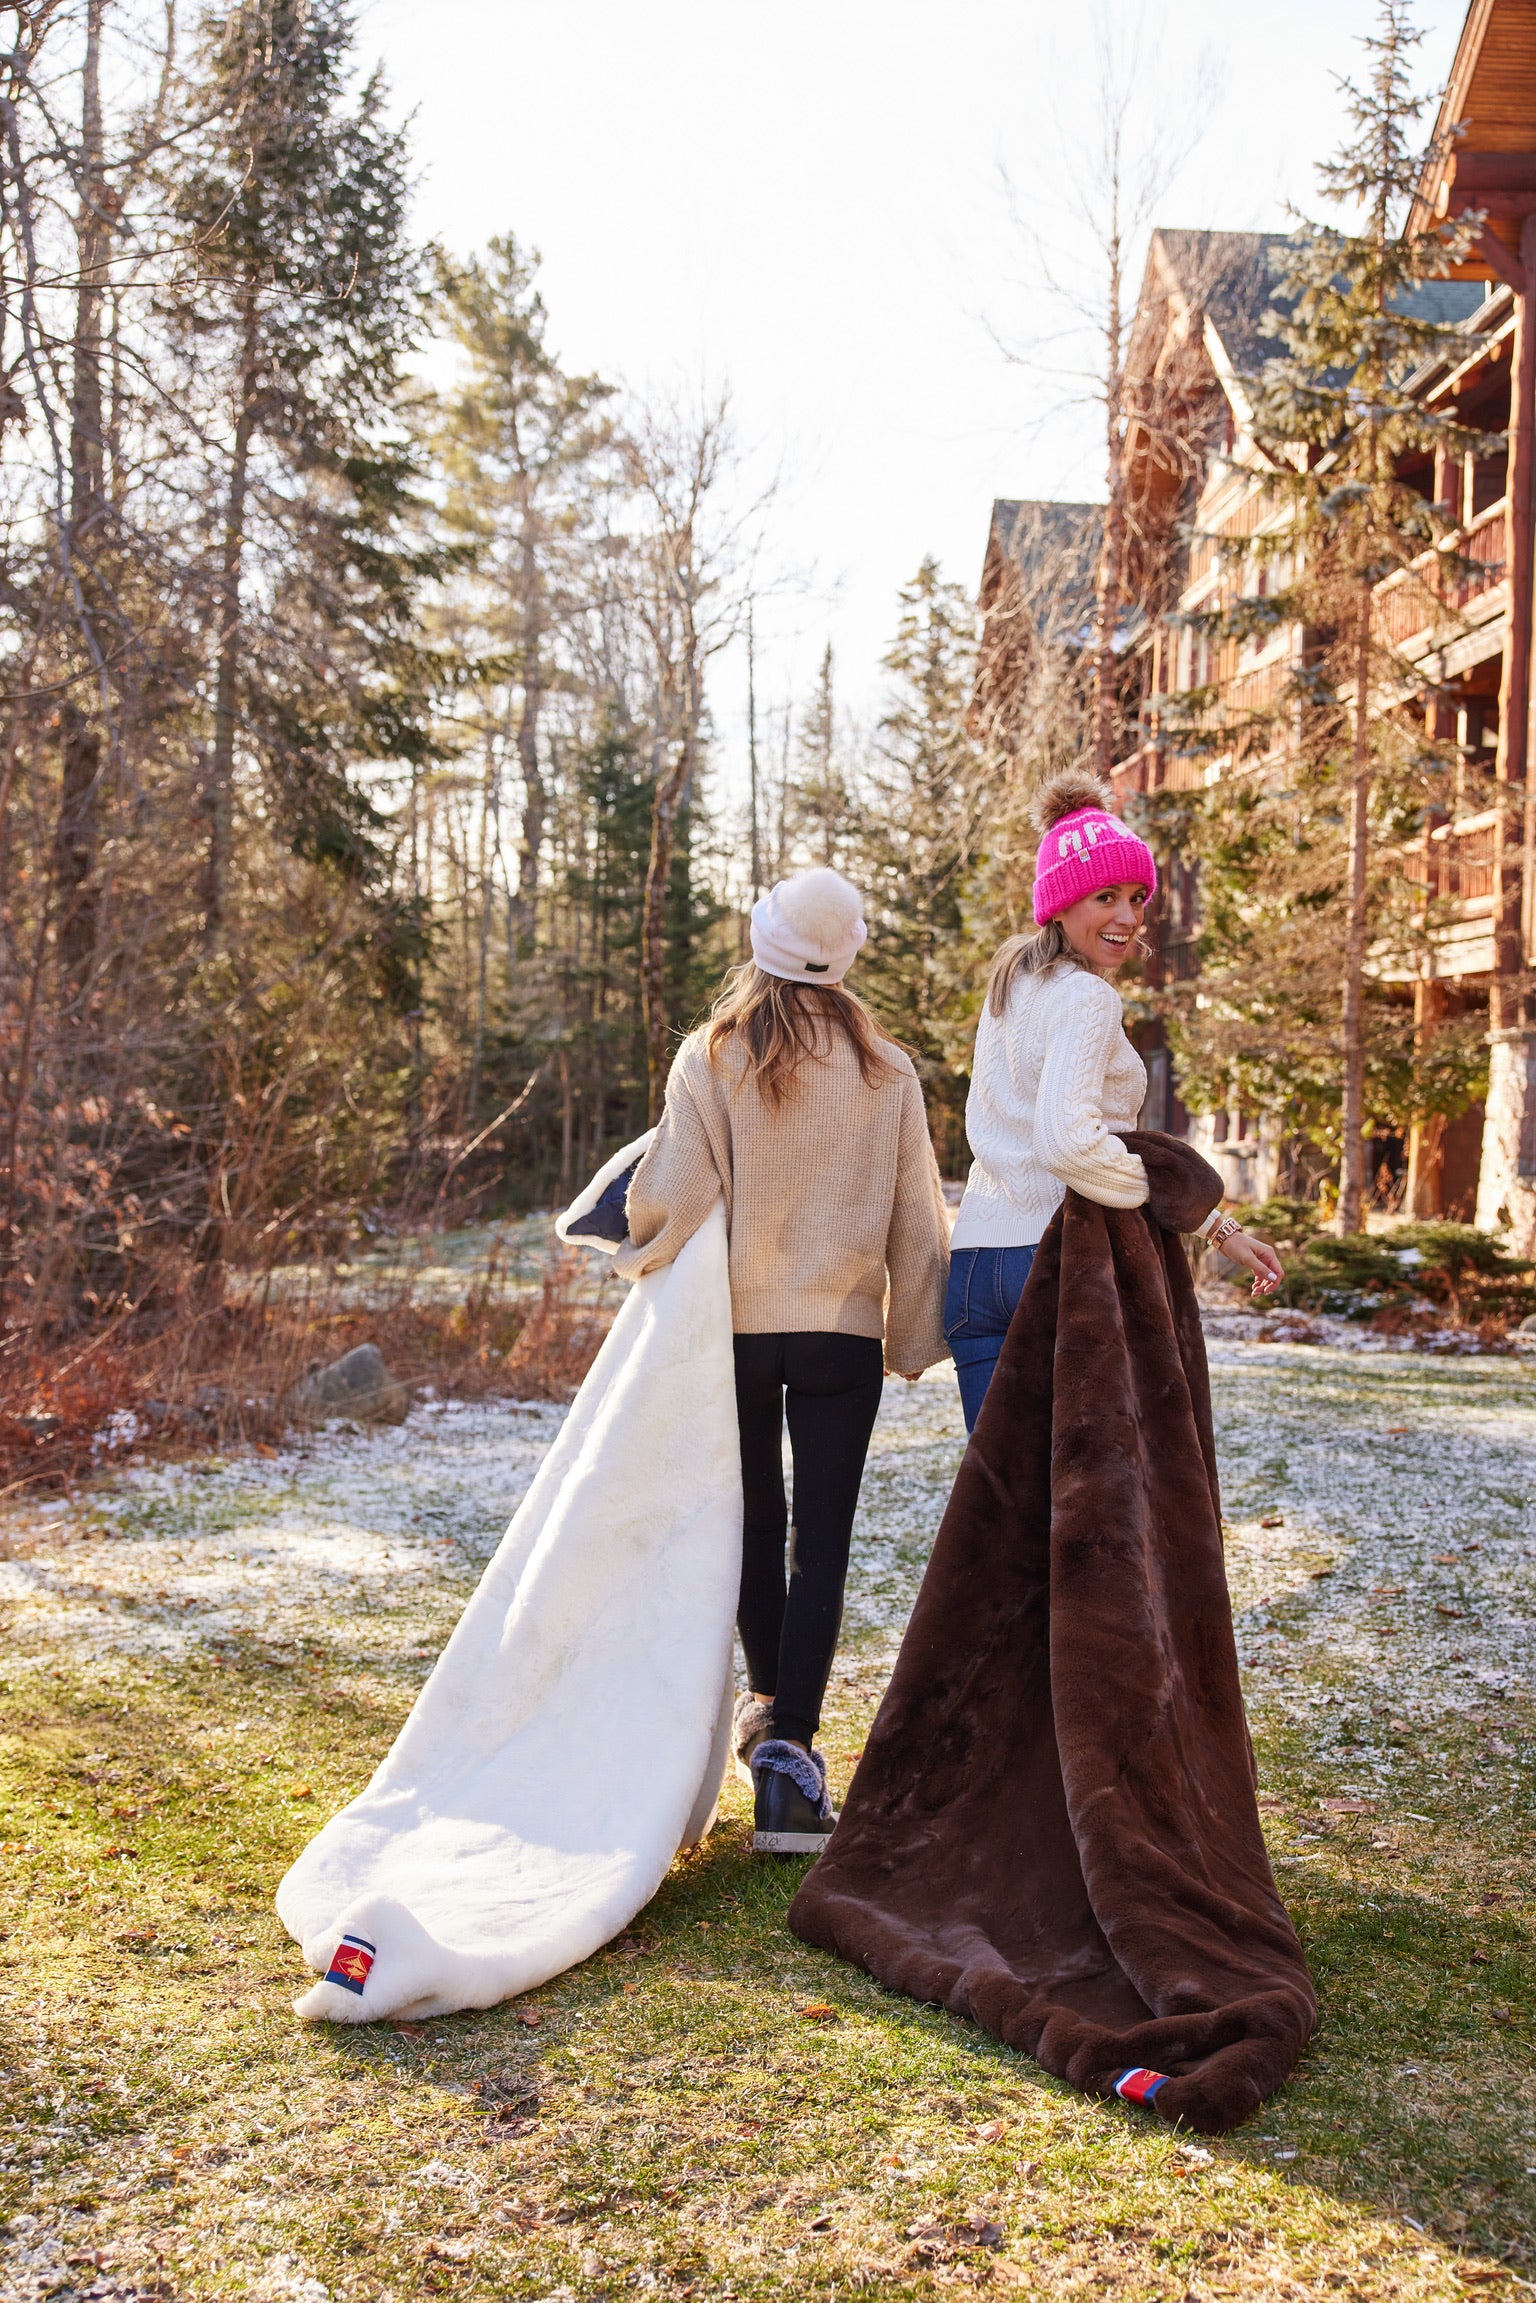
(521, 445)
(820, 815)
(299, 297)
(1258, 1028)
(918, 839)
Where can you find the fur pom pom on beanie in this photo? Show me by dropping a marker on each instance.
(1084, 845)
(809, 928)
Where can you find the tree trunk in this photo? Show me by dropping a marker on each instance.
(1109, 585)
(566, 1116)
(77, 829)
(1506, 1188)
(74, 850)
(757, 839)
(91, 245)
(1426, 1139)
(1351, 1211)
(218, 797)
(535, 793)
(489, 814)
(1512, 897)
(671, 785)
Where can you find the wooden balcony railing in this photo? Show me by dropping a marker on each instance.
(1155, 767)
(1247, 693)
(1418, 601)
(1456, 862)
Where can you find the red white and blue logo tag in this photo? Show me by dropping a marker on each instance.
(1139, 2086)
(351, 1963)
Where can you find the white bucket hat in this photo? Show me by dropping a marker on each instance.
(808, 929)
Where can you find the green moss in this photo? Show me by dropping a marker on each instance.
(696, 2131)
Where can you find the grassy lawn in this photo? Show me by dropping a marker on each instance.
(201, 1663)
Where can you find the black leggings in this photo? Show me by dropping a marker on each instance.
(830, 1385)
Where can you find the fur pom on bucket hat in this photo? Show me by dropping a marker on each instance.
(1084, 846)
(808, 929)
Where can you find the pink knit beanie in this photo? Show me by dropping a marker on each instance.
(1083, 847)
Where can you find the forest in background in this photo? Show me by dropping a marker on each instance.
(363, 842)
(366, 836)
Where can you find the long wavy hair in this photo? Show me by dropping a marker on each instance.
(1029, 956)
(782, 1024)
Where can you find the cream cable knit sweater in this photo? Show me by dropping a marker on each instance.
(836, 1217)
(1053, 1081)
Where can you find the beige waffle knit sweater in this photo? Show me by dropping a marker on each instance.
(836, 1217)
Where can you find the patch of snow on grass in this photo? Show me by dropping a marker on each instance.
(1401, 1490)
(1414, 1480)
(325, 1538)
(913, 1456)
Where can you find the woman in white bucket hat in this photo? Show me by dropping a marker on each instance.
(792, 1104)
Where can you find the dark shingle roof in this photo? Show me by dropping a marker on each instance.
(1054, 547)
(1447, 302)
(1232, 276)
(1033, 531)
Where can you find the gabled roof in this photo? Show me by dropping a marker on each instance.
(1483, 155)
(1232, 279)
(1031, 531)
(1228, 278)
(1044, 556)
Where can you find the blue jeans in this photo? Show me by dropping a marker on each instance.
(985, 1284)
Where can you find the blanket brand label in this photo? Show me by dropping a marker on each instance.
(353, 1958)
(1140, 2086)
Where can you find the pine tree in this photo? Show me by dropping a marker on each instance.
(299, 299)
(918, 839)
(819, 807)
(1257, 1030)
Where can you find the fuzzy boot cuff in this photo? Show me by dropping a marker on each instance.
(751, 1723)
(807, 1770)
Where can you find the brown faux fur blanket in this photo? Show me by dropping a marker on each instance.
(1053, 1827)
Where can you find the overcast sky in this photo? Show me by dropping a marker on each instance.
(810, 200)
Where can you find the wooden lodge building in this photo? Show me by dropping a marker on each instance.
(1195, 474)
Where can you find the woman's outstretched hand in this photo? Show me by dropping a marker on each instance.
(1257, 1256)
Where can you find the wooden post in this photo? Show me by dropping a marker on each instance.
(1506, 1191)
(1507, 1006)
(1426, 1139)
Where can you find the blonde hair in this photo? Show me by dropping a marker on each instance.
(1030, 956)
(782, 1023)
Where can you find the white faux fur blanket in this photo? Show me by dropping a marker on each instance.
(573, 1733)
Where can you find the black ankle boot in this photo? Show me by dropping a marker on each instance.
(792, 1810)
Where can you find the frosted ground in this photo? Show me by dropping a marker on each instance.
(205, 1657)
(1399, 1492)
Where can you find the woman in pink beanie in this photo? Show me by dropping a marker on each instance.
(1055, 1083)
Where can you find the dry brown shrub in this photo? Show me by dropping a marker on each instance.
(190, 1377)
(562, 1334)
(1408, 1319)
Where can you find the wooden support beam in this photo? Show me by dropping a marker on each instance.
(1517, 823)
(1472, 173)
(1500, 259)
